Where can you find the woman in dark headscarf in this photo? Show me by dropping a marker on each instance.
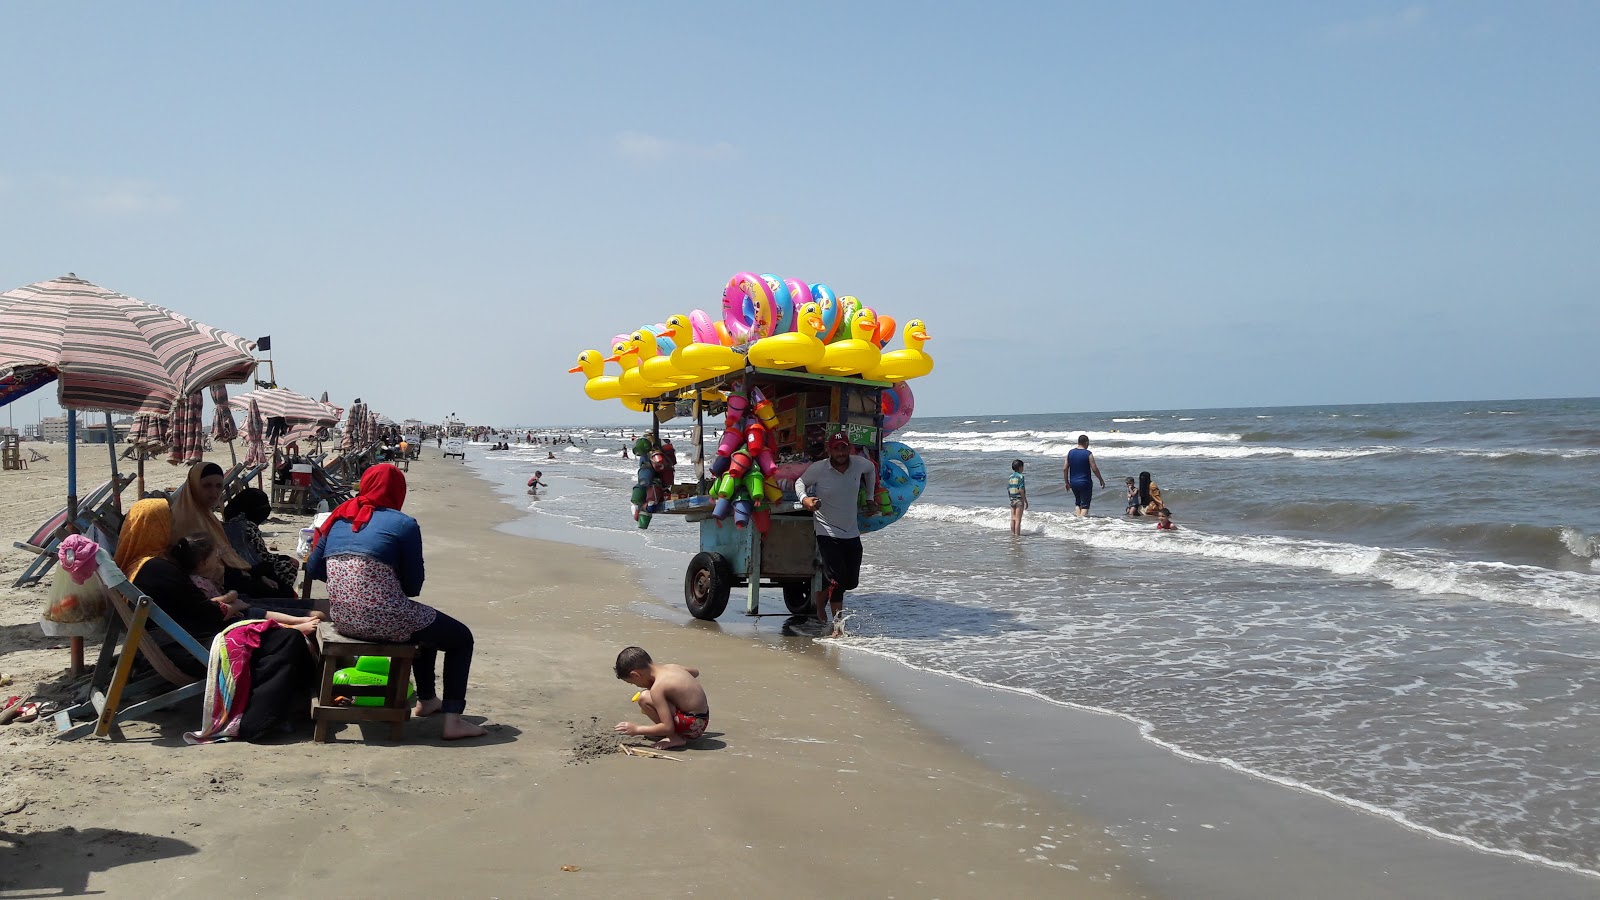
(370, 554)
(241, 521)
(1149, 495)
(194, 511)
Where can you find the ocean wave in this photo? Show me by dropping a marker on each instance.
(1121, 446)
(1417, 571)
(1155, 437)
(1134, 419)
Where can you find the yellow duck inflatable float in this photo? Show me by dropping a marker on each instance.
(655, 368)
(700, 359)
(626, 354)
(797, 348)
(900, 365)
(599, 385)
(855, 354)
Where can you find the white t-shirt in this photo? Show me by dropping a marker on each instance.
(837, 491)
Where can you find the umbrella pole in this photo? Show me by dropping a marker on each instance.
(72, 470)
(141, 474)
(111, 447)
(232, 455)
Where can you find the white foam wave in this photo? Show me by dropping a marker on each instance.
(1581, 545)
(1153, 437)
(1572, 592)
(1134, 419)
(1060, 447)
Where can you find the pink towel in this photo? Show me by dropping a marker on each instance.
(77, 554)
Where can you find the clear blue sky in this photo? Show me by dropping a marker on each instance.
(1093, 206)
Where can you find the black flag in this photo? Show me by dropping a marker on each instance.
(264, 344)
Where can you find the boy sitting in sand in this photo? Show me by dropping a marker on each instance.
(668, 694)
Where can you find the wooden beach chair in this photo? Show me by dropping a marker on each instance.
(36, 456)
(238, 479)
(97, 508)
(112, 678)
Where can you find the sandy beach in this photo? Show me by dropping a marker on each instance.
(808, 783)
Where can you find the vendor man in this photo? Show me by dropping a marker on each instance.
(832, 489)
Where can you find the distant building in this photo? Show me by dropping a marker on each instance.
(53, 428)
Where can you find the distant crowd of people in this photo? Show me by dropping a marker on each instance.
(1080, 472)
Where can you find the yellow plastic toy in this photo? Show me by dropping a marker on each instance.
(599, 385)
(655, 368)
(912, 362)
(702, 359)
(855, 354)
(797, 348)
(626, 353)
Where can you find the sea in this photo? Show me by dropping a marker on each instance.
(1395, 606)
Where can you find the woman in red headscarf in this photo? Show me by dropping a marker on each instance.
(370, 554)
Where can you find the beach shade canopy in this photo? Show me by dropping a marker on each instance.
(149, 435)
(254, 436)
(354, 427)
(222, 426)
(296, 409)
(187, 431)
(110, 351)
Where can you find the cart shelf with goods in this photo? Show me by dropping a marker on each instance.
(766, 426)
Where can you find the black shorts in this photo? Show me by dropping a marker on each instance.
(841, 560)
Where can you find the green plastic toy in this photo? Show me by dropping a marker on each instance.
(368, 671)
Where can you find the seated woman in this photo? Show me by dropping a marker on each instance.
(194, 512)
(241, 521)
(282, 669)
(198, 557)
(370, 554)
(1149, 495)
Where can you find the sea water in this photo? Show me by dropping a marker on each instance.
(1397, 606)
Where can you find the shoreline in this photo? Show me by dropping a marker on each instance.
(1424, 859)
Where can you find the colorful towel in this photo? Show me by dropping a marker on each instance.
(228, 681)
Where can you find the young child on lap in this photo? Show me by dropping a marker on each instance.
(669, 694)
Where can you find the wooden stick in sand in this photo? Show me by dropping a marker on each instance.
(642, 751)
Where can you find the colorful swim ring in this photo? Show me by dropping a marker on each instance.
(799, 296)
(898, 404)
(783, 305)
(704, 331)
(748, 307)
(848, 307)
(827, 304)
(903, 474)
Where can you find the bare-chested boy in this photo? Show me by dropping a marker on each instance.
(669, 695)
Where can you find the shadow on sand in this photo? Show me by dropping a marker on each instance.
(58, 863)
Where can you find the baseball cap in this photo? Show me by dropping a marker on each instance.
(838, 437)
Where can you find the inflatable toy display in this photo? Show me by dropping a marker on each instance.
(901, 365)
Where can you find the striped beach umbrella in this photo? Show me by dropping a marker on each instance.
(110, 351)
(149, 435)
(296, 409)
(254, 435)
(353, 426)
(222, 427)
(188, 431)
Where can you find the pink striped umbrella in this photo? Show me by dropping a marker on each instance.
(188, 431)
(353, 426)
(254, 435)
(111, 351)
(296, 409)
(149, 435)
(222, 427)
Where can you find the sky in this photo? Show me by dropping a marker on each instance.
(1163, 205)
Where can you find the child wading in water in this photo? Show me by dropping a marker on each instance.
(1017, 493)
(1133, 500)
(668, 694)
(1165, 522)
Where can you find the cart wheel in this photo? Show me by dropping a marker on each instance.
(797, 597)
(706, 585)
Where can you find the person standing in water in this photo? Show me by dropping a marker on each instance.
(1079, 468)
(1017, 493)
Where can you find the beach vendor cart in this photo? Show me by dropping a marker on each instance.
(765, 387)
(753, 531)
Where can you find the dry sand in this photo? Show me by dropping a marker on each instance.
(808, 784)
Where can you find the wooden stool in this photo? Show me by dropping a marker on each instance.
(291, 497)
(396, 708)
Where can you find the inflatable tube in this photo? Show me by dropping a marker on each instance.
(704, 331)
(783, 304)
(848, 307)
(799, 295)
(747, 307)
(885, 332)
(903, 474)
(898, 405)
(828, 305)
